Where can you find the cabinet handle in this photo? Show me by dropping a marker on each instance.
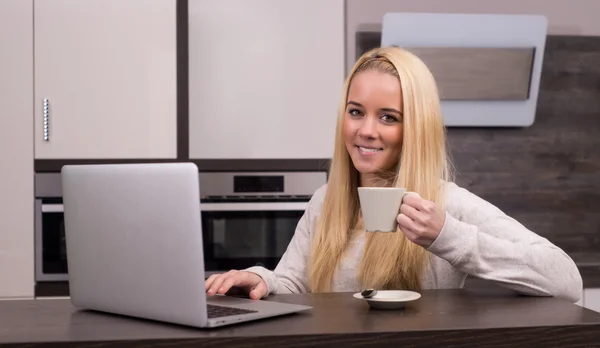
(46, 119)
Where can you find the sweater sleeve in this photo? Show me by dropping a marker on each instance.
(290, 275)
(482, 241)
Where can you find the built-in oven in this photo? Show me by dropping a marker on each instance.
(49, 238)
(247, 219)
(50, 248)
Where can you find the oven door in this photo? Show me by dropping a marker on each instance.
(50, 245)
(244, 234)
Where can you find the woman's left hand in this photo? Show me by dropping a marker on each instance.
(420, 220)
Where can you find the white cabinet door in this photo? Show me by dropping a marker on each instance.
(265, 77)
(16, 149)
(592, 299)
(108, 71)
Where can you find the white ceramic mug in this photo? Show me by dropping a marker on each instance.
(380, 207)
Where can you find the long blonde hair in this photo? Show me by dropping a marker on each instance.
(390, 260)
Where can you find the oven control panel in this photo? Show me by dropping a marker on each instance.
(258, 183)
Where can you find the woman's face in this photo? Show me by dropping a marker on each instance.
(372, 127)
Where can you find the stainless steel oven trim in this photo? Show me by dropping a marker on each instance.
(295, 183)
(39, 210)
(258, 206)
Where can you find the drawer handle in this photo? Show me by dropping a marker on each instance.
(46, 119)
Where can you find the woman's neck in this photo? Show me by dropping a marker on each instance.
(385, 179)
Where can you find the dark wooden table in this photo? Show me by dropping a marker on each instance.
(441, 318)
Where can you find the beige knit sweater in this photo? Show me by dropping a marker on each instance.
(477, 239)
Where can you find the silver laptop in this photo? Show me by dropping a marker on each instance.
(134, 246)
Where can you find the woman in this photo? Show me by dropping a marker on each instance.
(390, 132)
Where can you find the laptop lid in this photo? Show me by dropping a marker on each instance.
(134, 240)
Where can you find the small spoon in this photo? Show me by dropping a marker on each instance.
(368, 293)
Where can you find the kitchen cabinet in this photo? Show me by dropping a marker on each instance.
(16, 149)
(265, 78)
(105, 79)
(592, 299)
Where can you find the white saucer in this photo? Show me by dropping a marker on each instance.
(389, 299)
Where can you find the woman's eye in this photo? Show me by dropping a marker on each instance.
(354, 112)
(389, 119)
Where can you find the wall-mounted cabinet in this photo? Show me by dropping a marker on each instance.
(105, 79)
(265, 78)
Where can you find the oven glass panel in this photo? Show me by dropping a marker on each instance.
(54, 255)
(231, 239)
(241, 239)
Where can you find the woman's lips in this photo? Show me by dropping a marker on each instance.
(368, 151)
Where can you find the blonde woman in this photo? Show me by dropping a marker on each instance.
(390, 132)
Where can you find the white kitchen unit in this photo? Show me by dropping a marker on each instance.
(592, 299)
(16, 149)
(105, 79)
(265, 78)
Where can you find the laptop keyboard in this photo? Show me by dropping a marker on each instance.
(215, 311)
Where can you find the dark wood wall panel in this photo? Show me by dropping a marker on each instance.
(546, 176)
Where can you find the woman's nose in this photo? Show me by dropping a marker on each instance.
(368, 128)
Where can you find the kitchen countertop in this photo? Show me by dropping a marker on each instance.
(457, 317)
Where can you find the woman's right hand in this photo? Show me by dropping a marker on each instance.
(251, 283)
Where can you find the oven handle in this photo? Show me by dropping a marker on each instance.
(265, 206)
(254, 206)
(52, 208)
